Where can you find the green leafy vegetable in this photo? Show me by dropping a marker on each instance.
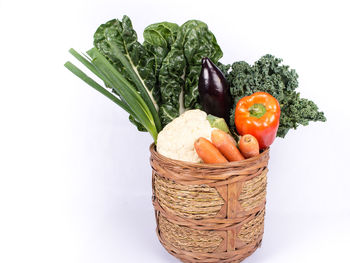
(163, 71)
(117, 41)
(268, 75)
(158, 39)
(199, 42)
(178, 75)
(165, 68)
(171, 81)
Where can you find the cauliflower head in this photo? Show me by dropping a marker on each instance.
(176, 140)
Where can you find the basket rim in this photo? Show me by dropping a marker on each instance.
(154, 152)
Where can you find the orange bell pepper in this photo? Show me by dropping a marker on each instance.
(258, 115)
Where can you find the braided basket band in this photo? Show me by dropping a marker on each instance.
(209, 213)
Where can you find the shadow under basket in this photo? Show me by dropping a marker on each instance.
(209, 213)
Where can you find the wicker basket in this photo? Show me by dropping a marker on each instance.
(209, 213)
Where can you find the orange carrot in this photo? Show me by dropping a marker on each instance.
(249, 146)
(208, 152)
(226, 145)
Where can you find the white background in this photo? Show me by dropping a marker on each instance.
(75, 182)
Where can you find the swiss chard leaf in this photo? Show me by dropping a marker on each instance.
(117, 41)
(172, 81)
(158, 39)
(178, 76)
(199, 42)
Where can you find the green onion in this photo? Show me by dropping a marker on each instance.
(128, 98)
(138, 82)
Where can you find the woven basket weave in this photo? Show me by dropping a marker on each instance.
(209, 213)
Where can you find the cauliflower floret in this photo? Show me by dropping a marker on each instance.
(176, 140)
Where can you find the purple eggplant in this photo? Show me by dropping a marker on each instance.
(214, 91)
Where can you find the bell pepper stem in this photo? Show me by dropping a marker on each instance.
(257, 110)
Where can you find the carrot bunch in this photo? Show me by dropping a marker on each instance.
(223, 148)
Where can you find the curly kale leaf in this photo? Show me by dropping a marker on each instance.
(296, 111)
(224, 69)
(268, 75)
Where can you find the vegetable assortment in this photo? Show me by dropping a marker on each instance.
(165, 82)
